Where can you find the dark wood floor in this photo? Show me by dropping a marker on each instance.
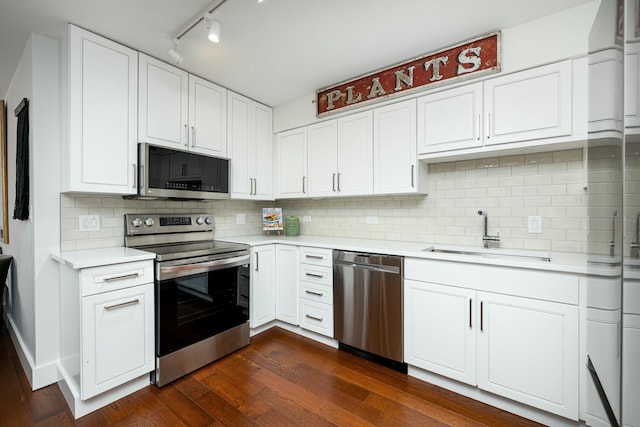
(281, 379)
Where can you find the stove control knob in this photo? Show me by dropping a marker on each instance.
(208, 220)
(148, 222)
(200, 220)
(136, 222)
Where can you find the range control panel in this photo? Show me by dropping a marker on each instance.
(136, 224)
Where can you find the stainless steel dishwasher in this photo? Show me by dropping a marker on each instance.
(367, 304)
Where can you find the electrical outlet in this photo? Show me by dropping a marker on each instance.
(306, 218)
(372, 220)
(535, 224)
(89, 222)
(240, 219)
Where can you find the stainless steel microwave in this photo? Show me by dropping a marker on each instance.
(171, 173)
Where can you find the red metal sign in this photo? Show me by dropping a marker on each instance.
(474, 57)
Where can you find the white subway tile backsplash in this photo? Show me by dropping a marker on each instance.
(508, 188)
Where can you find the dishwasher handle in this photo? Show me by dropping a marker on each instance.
(369, 267)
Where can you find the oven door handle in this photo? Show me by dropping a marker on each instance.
(202, 267)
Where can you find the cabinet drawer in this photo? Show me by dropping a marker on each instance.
(316, 256)
(316, 292)
(316, 274)
(316, 317)
(115, 276)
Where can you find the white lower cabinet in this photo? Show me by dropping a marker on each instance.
(524, 349)
(439, 329)
(117, 338)
(316, 290)
(262, 299)
(287, 283)
(107, 332)
(528, 351)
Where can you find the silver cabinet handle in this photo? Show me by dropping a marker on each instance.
(478, 128)
(339, 181)
(319, 319)
(304, 178)
(488, 125)
(470, 313)
(255, 186)
(319, 294)
(319, 276)
(413, 170)
(257, 261)
(334, 182)
(122, 304)
(314, 256)
(193, 136)
(135, 176)
(481, 316)
(186, 135)
(116, 278)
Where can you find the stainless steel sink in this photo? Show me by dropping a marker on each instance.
(492, 253)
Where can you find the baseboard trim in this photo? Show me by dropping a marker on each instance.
(38, 376)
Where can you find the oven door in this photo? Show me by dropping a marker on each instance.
(199, 298)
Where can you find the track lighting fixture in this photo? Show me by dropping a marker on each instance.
(214, 28)
(174, 54)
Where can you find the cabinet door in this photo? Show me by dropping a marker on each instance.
(355, 154)
(632, 85)
(440, 330)
(291, 164)
(163, 103)
(450, 120)
(117, 338)
(250, 141)
(287, 283)
(103, 115)
(528, 351)
(529, 105)
(263, 153)
(207, 117)
(322, 159)
(263, 285)
(394, 148)
(240, 146)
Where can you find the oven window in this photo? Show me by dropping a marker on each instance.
(192, 308)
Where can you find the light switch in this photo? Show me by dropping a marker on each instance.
(535, 224)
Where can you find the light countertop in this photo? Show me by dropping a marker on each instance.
(98, 257)
(560, 261)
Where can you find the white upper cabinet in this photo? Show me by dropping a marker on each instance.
(355, 154)
(543, 103)
(207, 117)
(529, 105)
(180, 110)
(451, 119)
(101, 154)
(322, 161)
(395, 163)
(250, 142)
(163, 108)
(291, 164)
(632, 86)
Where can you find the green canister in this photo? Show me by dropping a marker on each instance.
(292, 226)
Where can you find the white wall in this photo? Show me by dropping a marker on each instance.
(549, 39)
(34, 309)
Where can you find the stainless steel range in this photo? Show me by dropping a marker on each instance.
(201, 291)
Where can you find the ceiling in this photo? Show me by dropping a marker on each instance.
(277, 50)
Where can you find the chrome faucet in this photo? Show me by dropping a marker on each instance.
(485, 237)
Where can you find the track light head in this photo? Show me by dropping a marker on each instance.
(174, 54)
(214, 27)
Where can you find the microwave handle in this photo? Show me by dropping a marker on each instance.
(141, 177)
